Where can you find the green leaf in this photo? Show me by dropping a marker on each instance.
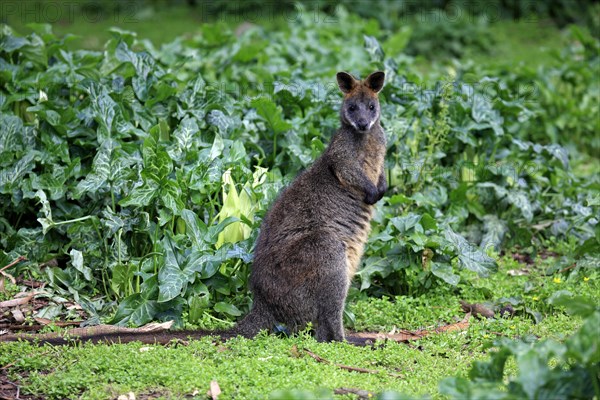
(196, 229)
(171, 279)
(170, 195)
(492, 370)
(11, 177)
(374, 48)
(533, 372)
(271, 113)
(77, 262)
(583, 346)
(395, 44)
(227, 308)
(100, 173)
(520, 201)
(444, 271)
(136, 309)
(471, 257)
(494, 229)
(141, 195)
(373, 266)
(217, 147)
(405, 223)
(575, 304)
(456, 388)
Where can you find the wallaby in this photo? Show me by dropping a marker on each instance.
(312, 238)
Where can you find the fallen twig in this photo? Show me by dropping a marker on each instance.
(95, 331)
(346, 367)
(17, 302)
(405, 336)
(568, 268)
(15, 262)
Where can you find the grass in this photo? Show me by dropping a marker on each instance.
(257, 368)
(90, 30)
(531, 42)
(528, 42)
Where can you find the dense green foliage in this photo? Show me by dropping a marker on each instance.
(145, 172)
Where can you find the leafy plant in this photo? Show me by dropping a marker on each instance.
(545, 369)
(134, 180)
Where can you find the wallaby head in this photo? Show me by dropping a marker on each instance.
(360, 108)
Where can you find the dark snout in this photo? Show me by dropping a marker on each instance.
(362, 124)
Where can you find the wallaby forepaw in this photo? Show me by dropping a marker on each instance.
(372, 196)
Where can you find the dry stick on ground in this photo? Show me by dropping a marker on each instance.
(567, 268)
(17, 302)
(18, 260)
(6, 274)
(346, 367)
(404, 335)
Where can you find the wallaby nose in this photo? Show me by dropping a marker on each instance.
(362, 124)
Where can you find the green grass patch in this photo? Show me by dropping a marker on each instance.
(256, 368)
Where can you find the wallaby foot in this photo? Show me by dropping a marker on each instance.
(258, 318)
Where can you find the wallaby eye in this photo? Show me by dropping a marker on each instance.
(372, 107)
(352, 108)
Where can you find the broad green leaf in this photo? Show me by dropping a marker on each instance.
(11, 176)
(141, 195)
(395, 44)
(227, 308)
(444, 272)
(533, 372)
(195, 228)
(583, 346)
(77, 262)
(521, 202)
(373, 266)
(217, 147)
(271, 113)
(170, 195)
(494, 229)
(220, 120)
(171, 279)
(575, 304)
(492, 370)
(471, 257)
(100, 173)
(374, 48)
(405, 223)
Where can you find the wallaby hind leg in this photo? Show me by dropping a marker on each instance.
(333, 292)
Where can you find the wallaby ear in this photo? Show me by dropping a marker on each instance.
(375, 81)
(346, 82)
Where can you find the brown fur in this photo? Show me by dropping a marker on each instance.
(312, 239)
